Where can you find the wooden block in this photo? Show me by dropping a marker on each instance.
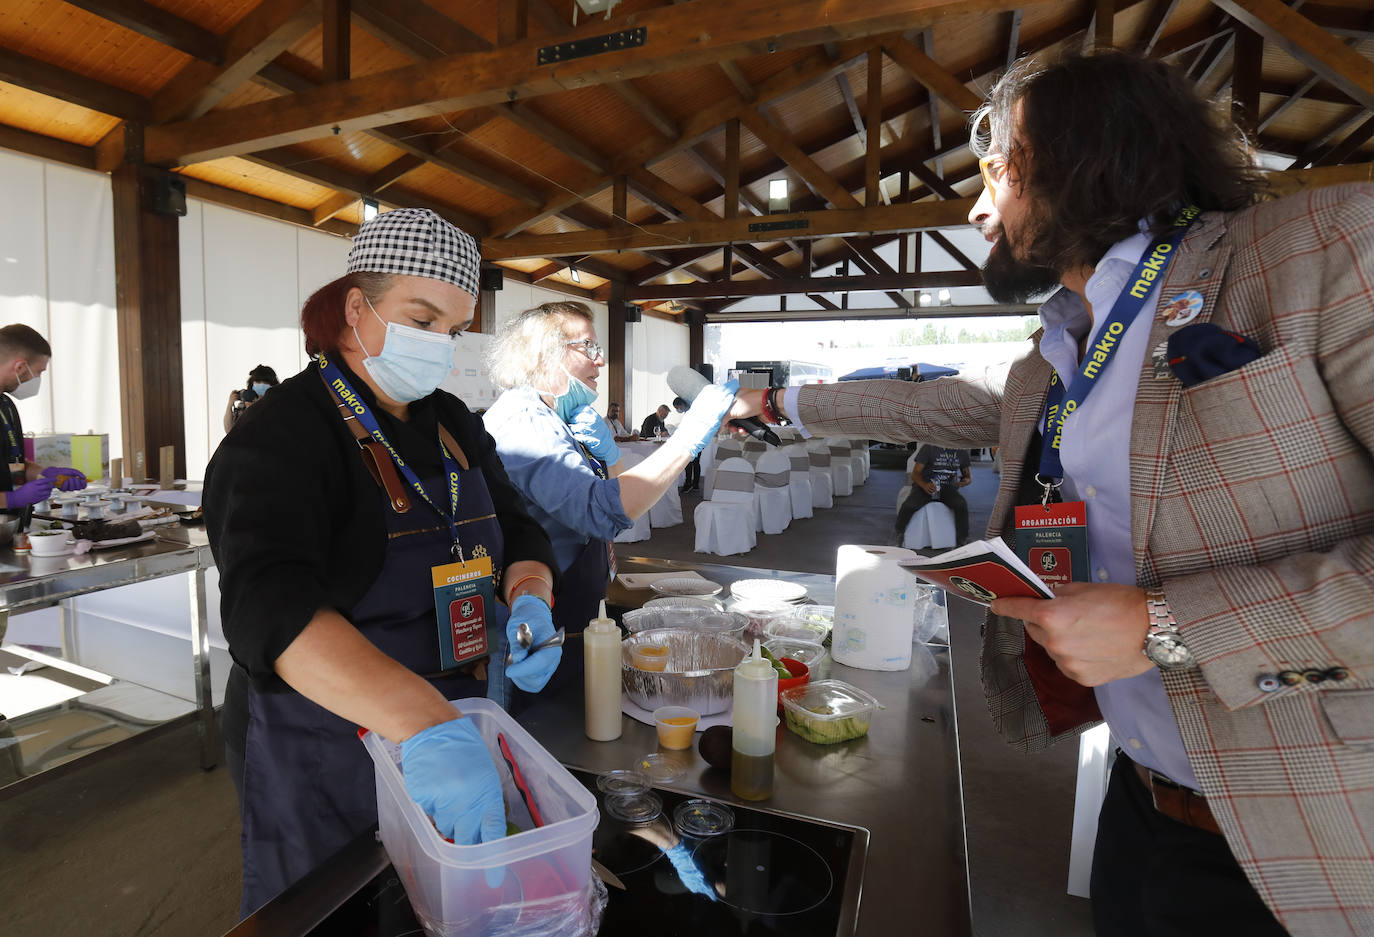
(167, 475)
(116, 473)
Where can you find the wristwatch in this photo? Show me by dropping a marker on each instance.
(1163, 646)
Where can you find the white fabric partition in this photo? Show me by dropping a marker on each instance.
(656, 347)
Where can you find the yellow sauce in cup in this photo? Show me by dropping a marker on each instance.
(676, 732)
(651, 657)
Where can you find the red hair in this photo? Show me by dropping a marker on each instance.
(322, 316)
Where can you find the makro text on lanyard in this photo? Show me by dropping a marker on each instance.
(336, 381)
(1058, 406)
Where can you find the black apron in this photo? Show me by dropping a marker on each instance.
(308, 786)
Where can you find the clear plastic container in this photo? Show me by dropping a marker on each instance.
(808, 652)
(760, 614)
(536, 882)
(796, 629)
(828, 711)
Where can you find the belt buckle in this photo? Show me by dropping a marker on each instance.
(1158, 779)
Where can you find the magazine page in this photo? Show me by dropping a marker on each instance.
(980, 571)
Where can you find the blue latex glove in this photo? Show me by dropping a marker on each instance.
(590, 430)
(702, 420)
(68, 479)
(29, 493)
(449, 772)
(530, 672)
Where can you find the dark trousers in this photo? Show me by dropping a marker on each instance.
(947, 496)
(1153, 876)
(692, 474)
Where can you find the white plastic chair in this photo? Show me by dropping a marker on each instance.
(931, 526)
(799, 481)
(725, 523)
(639, 530)
(841, 471)
(772, 475)
(822, 485)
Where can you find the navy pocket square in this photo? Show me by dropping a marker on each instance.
(1203, 351)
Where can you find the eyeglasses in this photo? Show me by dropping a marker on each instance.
(589, 348)
(994, 169)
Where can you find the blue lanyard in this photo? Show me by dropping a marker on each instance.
(336, 382)
(1059, 405)
(16, 446)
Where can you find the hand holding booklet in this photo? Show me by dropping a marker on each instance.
(981, 571)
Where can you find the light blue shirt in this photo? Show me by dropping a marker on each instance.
(552, 472)
(1095, 449)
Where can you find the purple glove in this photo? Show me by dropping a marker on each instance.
(29, 493)
(67, 479)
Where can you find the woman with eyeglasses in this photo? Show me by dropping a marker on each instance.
(561, 455)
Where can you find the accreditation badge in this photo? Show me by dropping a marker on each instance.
(463, 596)
(1053, 541)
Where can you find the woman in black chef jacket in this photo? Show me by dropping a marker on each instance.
(340, 510)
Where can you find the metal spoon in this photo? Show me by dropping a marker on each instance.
(523, 637)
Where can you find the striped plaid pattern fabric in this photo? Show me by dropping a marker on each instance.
(416, 242)
(1252, 504)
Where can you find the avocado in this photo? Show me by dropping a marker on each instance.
(715, 745)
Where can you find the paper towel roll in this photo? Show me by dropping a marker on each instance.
(875, 603)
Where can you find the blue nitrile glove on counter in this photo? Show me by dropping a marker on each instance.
(702, 420)
(591, 430)
(530, 672)
(449, 772)
(29, 493)
(67, 479)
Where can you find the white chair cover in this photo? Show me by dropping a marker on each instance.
(906, 489)
(799, 481)
(932, 526)
(841, 470)
(725, 447)
(772, 475)
(856, 462)
(822, 485)
(725, 523)
(640, 529)
(753, 448)
(667, 510)
(867, 457)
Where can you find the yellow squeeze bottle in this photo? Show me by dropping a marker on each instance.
(601, 672)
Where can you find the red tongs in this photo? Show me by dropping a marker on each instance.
(519, 780)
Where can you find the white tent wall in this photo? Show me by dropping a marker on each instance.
(57, 276)
(658, 347)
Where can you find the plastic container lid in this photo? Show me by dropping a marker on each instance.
(821, 614)
(796, 628)
(660, 767)
(842, 699)
(703, 818)
(808, 652)
(643, 807)
(622, 781)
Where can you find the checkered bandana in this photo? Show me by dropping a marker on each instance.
(418, 243)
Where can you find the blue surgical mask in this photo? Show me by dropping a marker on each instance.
(260, 388)
(412, 363)
(577, 396)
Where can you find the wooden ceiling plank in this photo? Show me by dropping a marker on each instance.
(512, 21)
(531, 121)
(1314, 88)
(936, 182)
(691, 35)
(338, 31)
(1307, 42)
(873, 137)
(263, 33)
(1347, 147)
(233, 198)
(1153, 27)
(732, 186)
(36, 75)
(394, 171)
(1104, 21)
(158, 25)
(458, 164)
(780, 143)
(828, 223)
(1192, 36)
(416, 29)
(732, 289)
(742, 84)
(331, 206)
(1013, 42)
(45, 147)
(1245, 78)
(931, 74)
(660, 192)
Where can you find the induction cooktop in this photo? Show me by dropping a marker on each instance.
(772, 874)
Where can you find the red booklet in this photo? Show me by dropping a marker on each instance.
(980, 571)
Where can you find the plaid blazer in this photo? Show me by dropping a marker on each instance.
(1252, 504)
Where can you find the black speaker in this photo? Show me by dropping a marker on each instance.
(706, 371)
(169, 194)
(493, 278)
(633, 313)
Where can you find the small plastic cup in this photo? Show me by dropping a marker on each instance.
(676, 724)
(652, 657)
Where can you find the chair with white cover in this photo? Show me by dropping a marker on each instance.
(753, 449)
(725, 523)
(725, 447)
(931, 526)
(799, 480)
(906, 489)
(667, 510)
(860, 448)
(639, 530)
(841, 470)
(856, 461)
(822, 485)
(772, 475)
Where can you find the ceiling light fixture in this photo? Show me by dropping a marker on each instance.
(925, 299)
(572, 272)
(944, 297)
(778, 200)
(370, 209)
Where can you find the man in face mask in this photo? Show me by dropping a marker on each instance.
(24, 356)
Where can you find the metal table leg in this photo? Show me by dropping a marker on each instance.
(200, 653)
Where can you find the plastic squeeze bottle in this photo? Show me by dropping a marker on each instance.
(601, 672)
(755, 729)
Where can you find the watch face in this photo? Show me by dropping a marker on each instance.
(1167, 651)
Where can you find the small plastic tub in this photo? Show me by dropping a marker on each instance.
(650, 657)
(700, 818)
(808, 652)
(760, 615)
(828, 711)
(796, 628)
(676, 725)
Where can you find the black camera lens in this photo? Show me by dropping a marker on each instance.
(248, 395)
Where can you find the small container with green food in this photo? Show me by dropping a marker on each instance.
(828, 711)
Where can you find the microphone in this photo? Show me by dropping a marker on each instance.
(687, 384)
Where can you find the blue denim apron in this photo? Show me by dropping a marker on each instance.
(308, 783)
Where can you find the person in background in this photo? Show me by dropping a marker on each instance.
(692, 474)
(260, 380)
(560, 454)
(332, 510)
(617, 428)
(653, 425)
(1224, 627)
(937, 475)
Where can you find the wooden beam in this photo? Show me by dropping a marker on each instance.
(620, 202)
(1190, 37)
(337, 29)
(1296, 180)
(1104, 19)
(1245, 78)
(618, 352)
(158, 25)
(394, 171)
(742, 85)
(512, 21)
(1153, 27)
(263, 33)
(736, 289)
(933, 180)
(35, 75)
(732, 168)
(829, 223)
(931, 74)
(1347, 147)
(416, 29)
(781, 144)
(948, 247)
(458, 164)
(1013, 42)
(45, 147)
(257, 205)
(661, 192)
(531, 121)
(874, 128)
(1307, 42)
(680, 37)
(331, 206)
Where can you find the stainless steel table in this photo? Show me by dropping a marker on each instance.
(40, 582)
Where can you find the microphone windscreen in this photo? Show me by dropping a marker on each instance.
(686, 383)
